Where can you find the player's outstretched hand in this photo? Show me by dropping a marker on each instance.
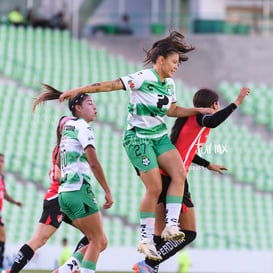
(19, 204)
(244, 91)
(68, 95)
(217, 168)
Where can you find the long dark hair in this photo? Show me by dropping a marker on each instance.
(173, 43)
(202, 98)
(50, 93)
(60, 126)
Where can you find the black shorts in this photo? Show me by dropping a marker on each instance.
(52, 214)
(187, 201)
(1, 221)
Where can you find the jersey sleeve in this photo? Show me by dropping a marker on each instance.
(212, 121)
(133, 81)
(200, 161)
(86, 136)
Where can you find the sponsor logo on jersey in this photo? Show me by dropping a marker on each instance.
(69, 128)
(131, 84)
(60, 218)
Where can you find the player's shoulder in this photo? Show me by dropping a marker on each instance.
(75, 122)
(145, 74)
(84, 126)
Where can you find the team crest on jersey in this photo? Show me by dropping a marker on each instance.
(131, 84)
(60, 218)
(145, 160)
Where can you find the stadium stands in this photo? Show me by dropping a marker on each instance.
(260, 103)
(229, 209)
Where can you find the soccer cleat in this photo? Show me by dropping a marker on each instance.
(147, 247)
(57, 271)
(172, 232)
(142, 267)
(5, 270)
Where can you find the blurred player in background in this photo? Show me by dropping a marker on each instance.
(146, 139)
(184, 262)
(188, 135)
(77, 157)
(4, 195)
(51, 217)
(65, 253)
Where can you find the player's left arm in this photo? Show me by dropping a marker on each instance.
(217, 168)
(11, 200)
(204, 163)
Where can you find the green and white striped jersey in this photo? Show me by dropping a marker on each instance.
(150, 100)
(76, 136)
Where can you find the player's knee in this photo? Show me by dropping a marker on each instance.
(101, 243)
(179, 176)
(104, 243)
(182, 175)
(157, 190)
(154, 191)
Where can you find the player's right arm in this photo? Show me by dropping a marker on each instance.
(212, 121)
(93, 88)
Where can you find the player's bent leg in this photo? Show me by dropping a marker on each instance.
(40, 237)
(171, 163)
(152, 181)
(160, 218)
(168, 249)
(92, 227)
(187, 219)
(42, 234)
